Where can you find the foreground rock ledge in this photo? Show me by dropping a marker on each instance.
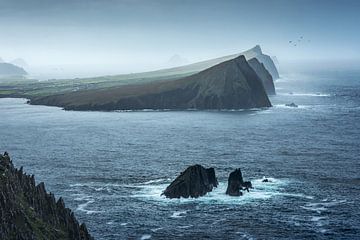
(194, 182)
(236, 184)
(29, 212)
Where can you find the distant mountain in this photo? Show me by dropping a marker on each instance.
(232, 84)
(177, 60)
(264, 75)
(8, 69)
(20, 63)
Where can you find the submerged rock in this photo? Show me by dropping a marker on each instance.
(236, 184)
(194, 182)
(27, 211)
(291, 105)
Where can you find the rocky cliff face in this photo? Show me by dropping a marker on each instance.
(264, 75)
(257, 53)
(231, 84)
(27, 211)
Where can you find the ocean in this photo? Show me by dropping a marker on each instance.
(111, 167)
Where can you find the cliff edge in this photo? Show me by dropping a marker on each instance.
(27, 211)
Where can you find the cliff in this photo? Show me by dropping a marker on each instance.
(27, 211)
(231, 84)
(257, 53)
(264, 75)
(8, 69)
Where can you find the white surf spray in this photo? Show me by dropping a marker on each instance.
(261, 191)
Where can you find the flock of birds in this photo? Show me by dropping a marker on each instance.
(298, 41)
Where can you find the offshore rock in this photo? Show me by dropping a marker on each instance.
(27, 211)
(236, 183)
(194, 182)
(291, 105)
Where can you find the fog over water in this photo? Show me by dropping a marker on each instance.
(83, 38)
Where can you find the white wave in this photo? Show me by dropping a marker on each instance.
(178, 214)
(156, 229)
(317, 218)
(145, 236)
(245, 236)
(305, 94)
(82, 207)
(261, 191)
(123, 224)
(185, 226)
(288, 107)
(322, 206)
(82, 197)
(156, 181)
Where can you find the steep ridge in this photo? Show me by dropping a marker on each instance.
(29, 212)
(264, 75)
(232, 84)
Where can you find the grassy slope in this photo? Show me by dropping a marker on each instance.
(33, 88)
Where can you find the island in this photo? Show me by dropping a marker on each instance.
(232, 84)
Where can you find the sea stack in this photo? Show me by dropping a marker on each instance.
(27, 211)
(194, 182)
(236, 183)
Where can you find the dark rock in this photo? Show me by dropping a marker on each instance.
(266, 180)
(194, 182)
(264, 75)
(247, 184)
(27, 211)
(291, 105)
(236, 184)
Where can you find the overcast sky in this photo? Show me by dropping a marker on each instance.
(151, 31)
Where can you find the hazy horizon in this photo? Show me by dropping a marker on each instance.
(119, 36)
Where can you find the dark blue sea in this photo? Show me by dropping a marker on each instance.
(111, 167)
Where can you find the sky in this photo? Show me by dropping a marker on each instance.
(146, 33)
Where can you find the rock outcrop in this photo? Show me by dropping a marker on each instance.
(194, 182)
(229, 85)
(236, 183)
(264, 75)
(291, 105)
(27, 211)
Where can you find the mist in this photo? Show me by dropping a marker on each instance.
(87, 38)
